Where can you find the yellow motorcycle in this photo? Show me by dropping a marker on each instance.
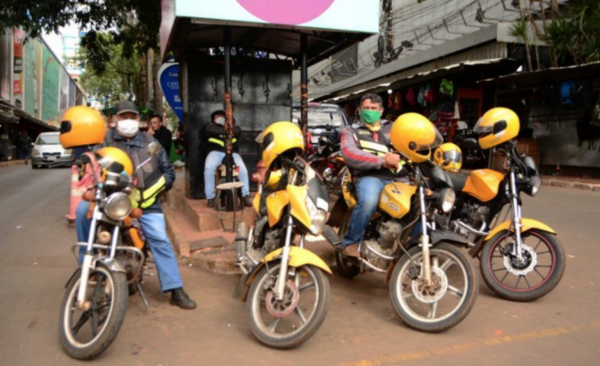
(520, 259)
(284, 284)
(432, 284)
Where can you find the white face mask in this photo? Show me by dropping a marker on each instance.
(128, 127)
(220, 121)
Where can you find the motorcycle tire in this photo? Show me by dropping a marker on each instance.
(345, 267)
(256, 304)
(553, 254)
(405, 295)
(110, 318)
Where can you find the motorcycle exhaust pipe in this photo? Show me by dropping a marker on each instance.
(240, 240)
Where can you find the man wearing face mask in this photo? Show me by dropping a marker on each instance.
(215, 136)
(153, 177)
(365, 147)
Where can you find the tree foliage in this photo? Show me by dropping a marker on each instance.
(132, 24)
(119, 77)
(577, 34)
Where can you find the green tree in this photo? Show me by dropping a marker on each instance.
(118, 78)
(134, 24)
(576, 34)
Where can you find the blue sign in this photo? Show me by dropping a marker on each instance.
(168, 77)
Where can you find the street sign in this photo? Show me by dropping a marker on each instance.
(168, 76)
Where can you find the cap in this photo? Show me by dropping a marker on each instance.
(126, 106)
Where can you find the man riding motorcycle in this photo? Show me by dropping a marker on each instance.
(127, 137)
(365, 148)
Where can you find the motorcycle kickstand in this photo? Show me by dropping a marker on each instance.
(143, 295)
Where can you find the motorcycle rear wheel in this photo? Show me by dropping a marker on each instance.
(455, 279)
(296, 323)
(540, 276)
(107, 293)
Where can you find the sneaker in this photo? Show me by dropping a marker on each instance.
(181, 299)
(210, 203)
(247, 201)
(351, 251)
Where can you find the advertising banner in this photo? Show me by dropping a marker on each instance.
(168, 77)
(32, 77)
(50, 83)
(5, 64)
(18, 62)
(334, 15)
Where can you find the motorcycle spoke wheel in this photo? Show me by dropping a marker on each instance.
(86, 333)
(446, 302)
(289, 322)
(536, 276)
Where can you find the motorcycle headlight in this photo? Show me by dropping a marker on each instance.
(446, 199)
(534, 185)
(318, 214)
(117, 206)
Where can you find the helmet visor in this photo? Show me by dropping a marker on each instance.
(452, 157)
(425, 149)
(482, 129)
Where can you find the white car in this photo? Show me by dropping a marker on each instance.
(48, 151)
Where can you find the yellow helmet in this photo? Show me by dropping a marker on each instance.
(280, 138)
(109, 157)
(449, 157)
(497, 125)
(81, 126)
(414, 136)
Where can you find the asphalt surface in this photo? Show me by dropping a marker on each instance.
(562, 328)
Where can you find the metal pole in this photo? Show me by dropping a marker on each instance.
(228, 112)
(304, 90)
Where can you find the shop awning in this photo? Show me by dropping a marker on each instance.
(20, 115)
(406, 78)
(530, 78)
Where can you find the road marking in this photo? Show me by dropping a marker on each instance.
(463, 347)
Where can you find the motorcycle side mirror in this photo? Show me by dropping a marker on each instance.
(153, 148)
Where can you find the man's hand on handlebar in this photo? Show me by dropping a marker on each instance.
(391, 160)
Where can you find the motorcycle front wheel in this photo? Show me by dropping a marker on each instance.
(86, 333)
(443, 304)
(292, 321)
(540, 272)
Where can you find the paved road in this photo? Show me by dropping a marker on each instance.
(561, 329)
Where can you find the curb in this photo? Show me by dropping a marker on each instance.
(590, 187)
(11, 163)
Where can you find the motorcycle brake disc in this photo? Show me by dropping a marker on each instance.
(283, 308)
(519, 270)
(432, 293)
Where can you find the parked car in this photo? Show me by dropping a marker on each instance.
(47, 151)
(320, 117)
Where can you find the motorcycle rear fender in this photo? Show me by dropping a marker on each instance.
(528, 224)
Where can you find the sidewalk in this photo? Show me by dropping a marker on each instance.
(587, 184)
(11, 163)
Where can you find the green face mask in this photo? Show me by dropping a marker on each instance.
(370, 117)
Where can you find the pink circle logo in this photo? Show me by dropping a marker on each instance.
(291, 12)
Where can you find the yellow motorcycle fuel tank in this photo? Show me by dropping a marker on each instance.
(483, 184)
(395, 199)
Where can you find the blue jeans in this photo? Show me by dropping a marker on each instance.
(368, 190)
(213, 160)
(153, 225)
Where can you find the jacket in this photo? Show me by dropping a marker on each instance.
(135, 148)
(164, 136)
(215, 137)
(363, 150)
